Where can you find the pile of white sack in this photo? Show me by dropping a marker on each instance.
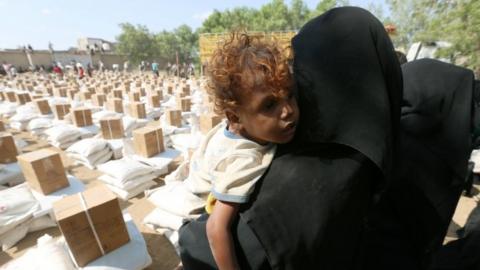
(127, 177)
(23, 115)
(90, 152)
(38, 126)
(11, 174)
(178, 200)
(8, 109)
(63, 136)
(17, 206)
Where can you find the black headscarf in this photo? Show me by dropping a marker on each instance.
(308, 209)
(435, 142)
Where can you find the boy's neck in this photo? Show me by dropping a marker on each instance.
(243, 133)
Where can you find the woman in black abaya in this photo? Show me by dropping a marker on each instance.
(309, 209)
(409, 224)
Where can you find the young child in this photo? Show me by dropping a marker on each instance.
(252, 86)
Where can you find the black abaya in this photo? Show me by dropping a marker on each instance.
(309, 209)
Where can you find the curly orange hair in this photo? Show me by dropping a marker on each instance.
(245, 63)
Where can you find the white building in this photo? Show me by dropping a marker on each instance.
(86, 43)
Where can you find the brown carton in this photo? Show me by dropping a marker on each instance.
(91, 223)
(99, 99)
(134, 96)
(173, 117)
(118, 93)
(23, 98)
(43, 107)
(8, 149)
(2, 126)
(11, 97)
(112, 128)
(137, 110)
(183, 104)
(154, 101)
(84, 96)
(60, 110)
(82, 117)
(208, 121)
(43, 170)
(115, 105)
(60, 92)
(148, 141)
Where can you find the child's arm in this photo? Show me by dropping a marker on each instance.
(219, 236)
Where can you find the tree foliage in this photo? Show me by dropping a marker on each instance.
(454, 21)
(141, 45)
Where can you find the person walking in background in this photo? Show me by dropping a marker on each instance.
(125, 66)
(155, 69)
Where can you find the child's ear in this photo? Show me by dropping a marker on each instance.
(232, 116)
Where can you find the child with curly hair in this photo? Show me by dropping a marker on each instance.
(252, 85)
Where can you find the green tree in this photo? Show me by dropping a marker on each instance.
(273, 16)
(457, 22)
(137, 42)
(298, 14)
(325, 5)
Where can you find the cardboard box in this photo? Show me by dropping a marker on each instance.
(183, 104)
(99, 99)
(2, 96)
(134, 96)
(8, 149)
(23, 98)
(118, 93)
(43, 170)
(209, 121)
(43, 106)
(60, 110)
(91, 223)
(2, 126)
(148, 141)
(82, 117)
(84, 96)
(11, 97)
(115, 105)
(173, 117)
(154, 101)
(112, 128)
(137, 110)
(60, 92)
(170, 89)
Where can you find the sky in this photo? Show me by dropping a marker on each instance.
(62, 22)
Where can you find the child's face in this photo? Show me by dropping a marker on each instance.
(265, 118)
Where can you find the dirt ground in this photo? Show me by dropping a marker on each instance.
(159, 248)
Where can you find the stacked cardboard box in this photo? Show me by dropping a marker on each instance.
(112, 128)
(208, 121)
(91, 223)
(115, 105)
(82, 117)
(148, 141)
(2, 126)
(60, 110)
(8, 149)
(43, 170)
(137, 110)
(11, 97)
(99, 99)
(173, 117)
(183, 104)
(84, 95)
(154, 101)
(134, 96)
(43, 107)
(23, 98)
